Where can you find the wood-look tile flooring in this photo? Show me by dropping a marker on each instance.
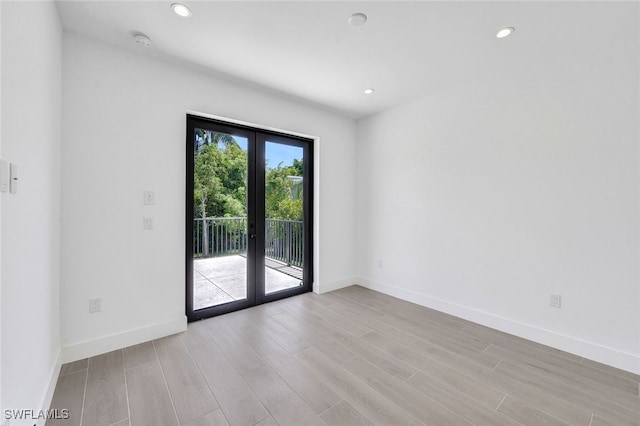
(350, 357)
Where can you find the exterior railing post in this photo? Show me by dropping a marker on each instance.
(205, 237)
(289, 246)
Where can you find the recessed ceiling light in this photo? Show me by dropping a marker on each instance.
(181, 10)
(505, 32)
(369, 91)
(358, 19)
(142, 39)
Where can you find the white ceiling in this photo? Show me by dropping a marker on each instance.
(308, 51)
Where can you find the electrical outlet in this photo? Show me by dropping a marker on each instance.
(147, 223)
(555, 301)
(95, 305)
(149, 198)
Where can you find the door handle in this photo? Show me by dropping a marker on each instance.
(252, 236)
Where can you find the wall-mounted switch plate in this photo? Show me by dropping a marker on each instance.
(5, 175)
(147, 223)
(95, 305)
(13, 178)
(149, 198)
(555, 301)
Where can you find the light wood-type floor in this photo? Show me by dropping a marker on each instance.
(350, 357)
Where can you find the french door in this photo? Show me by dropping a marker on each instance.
(248, 217)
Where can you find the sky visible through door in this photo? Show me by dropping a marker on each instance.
(276, 154)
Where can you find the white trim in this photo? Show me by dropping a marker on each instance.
(51, 387)
(104, 344)
(316, 216)
(320, 288)
(248, 124)
(603, 354)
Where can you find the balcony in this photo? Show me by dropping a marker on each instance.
(220, 247)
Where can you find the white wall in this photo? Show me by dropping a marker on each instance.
(1, 400)
(482, 200)
(124, 132)
(30, 239)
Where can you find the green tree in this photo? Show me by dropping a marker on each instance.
(220, 182)
(299, 166)
(220, 179)
(220, 176)
(283, 193)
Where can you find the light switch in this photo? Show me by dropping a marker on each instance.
(149, 198)
(13, 176)
(147, 223)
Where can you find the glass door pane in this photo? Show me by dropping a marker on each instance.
(220, 208)
(284, 217)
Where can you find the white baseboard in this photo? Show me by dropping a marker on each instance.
(593, 351)
(104, 344)
(51, 387)
(326, 287)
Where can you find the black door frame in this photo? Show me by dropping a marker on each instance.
(257, 139)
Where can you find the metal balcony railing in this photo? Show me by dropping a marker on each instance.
(221, 236)
(284, 241)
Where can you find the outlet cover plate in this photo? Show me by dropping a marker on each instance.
(95, 305)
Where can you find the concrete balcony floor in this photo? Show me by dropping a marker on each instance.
(218, 280)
